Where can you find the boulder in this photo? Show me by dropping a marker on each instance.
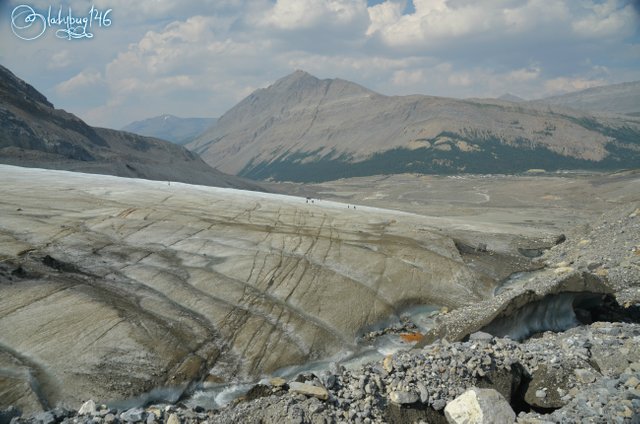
(133, 415)
(387, 363)
(414, 413)
(44, 418)
(173, 419)
(403, 397)
(309, 390)
(278, 382)
(258, 391)
(87, 408)
(480, 336)
(506, 381)
(613, 361)
(547, 387)
(479, 406)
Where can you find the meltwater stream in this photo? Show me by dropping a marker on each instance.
(556, 312)
(369, 349)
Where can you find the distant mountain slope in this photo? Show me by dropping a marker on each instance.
(618, 98)
(34, 134)
(305, 129)
(511, 98)
(171, 128)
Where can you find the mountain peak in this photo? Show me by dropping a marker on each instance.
(301, 73)
(511, 98)
(302, 128)
(297, 79)
(305, 84)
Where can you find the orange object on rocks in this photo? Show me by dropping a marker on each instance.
(411, 337)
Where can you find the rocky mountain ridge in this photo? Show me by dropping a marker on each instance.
(305, 129)
(33, 133)
(623, 98)
(511, 98)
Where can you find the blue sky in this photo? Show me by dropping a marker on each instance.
(199, 58)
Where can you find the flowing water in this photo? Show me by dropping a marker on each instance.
(368, 349)
(397, 333)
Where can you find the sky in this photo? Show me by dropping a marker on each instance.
(198, 58)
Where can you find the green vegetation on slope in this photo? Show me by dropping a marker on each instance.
(492, 157)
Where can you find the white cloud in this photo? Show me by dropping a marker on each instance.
(445, 79)
(567, 84)
(432, 21)
(198, 58)
(367, 66)
(533, 15)
(302, 14)
(438, 22)
(384, 15)
(59, 59)
(462, 79)
(188, 68)
(84, 81)
(524, 74)
(128, 11)
(405, 78)
(608, 19)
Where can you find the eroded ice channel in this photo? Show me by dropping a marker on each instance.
(557, 312)
(554, 312)
(373, 344)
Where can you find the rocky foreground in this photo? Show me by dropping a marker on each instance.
(589, 373)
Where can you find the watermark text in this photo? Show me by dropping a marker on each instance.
(29, 24)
